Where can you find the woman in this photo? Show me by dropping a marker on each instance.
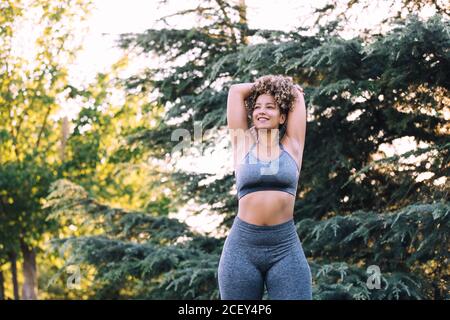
(263, 246)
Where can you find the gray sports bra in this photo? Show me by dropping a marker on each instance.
(280, 174)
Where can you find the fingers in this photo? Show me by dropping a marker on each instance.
(299, 88)
(299, 92)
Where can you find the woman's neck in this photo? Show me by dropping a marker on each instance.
(268, 139)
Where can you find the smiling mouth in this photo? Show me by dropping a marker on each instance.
(262, 119)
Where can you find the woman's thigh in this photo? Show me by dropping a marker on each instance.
(290, 278)
(238, 275)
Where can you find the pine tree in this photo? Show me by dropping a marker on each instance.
(373, 226)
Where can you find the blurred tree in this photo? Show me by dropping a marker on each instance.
(37, 44)
(140, 255)
(361, 213)
(191, 270)
(37, 147)
(353, 10)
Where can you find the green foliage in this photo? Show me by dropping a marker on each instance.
(357, 206)
(135, 254)
(31, 85)
(400, 243)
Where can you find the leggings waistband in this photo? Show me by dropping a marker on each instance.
(271, 235)
(254, 227)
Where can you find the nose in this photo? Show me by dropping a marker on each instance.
(261, 114)
(261, 111)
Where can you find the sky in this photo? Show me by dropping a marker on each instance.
(112, 17)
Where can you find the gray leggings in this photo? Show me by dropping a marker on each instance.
(253, 255)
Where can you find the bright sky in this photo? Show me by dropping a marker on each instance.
(112, 17)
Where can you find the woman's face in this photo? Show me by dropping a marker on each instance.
(266, 114)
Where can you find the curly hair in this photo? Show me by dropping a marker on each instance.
(278, 86)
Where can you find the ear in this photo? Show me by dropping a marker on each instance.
(282, 119)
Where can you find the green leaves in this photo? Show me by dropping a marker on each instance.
(357, 206)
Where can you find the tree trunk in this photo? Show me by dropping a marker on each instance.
(29, 288)
(2, 286)
(243, 20)
(64, 136)
(13, 261)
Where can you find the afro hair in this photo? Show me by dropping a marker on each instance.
(278, 86)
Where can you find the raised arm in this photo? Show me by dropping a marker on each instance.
(237, 118)
(236, 112)
(296, 126)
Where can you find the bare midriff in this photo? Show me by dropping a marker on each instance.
(268, 207)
